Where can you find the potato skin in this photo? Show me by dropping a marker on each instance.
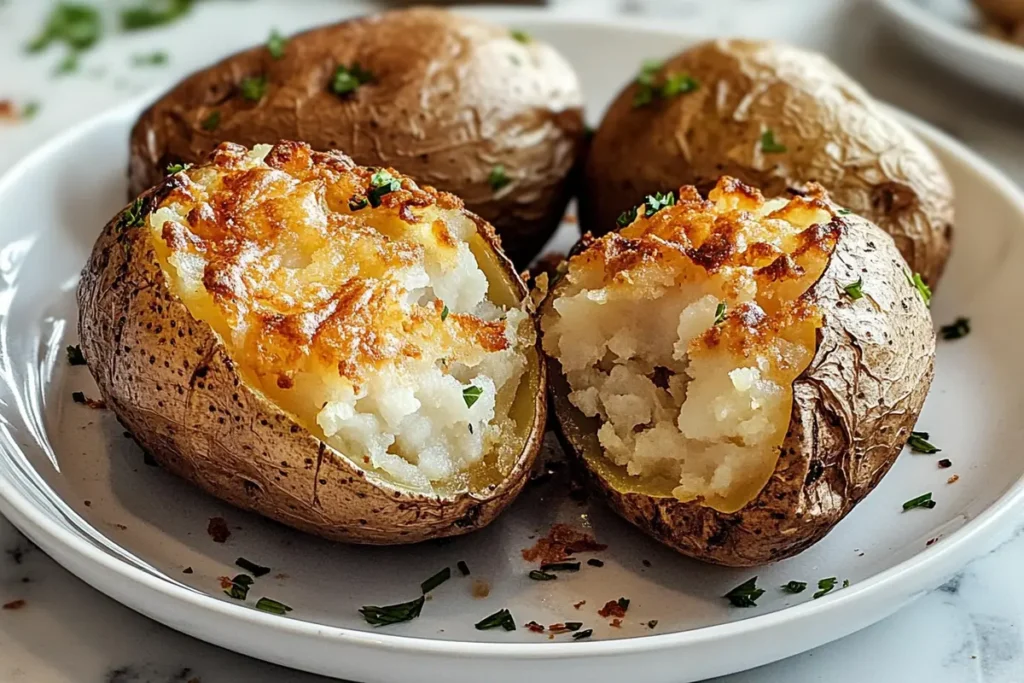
(835, 135)
(853, 409)
(1002, 11)
(173, 386)
(452, 97)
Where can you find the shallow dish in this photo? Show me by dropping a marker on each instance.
(950, 32)
(81, 490)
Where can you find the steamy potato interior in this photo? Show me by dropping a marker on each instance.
(357, 302)
(681, 335)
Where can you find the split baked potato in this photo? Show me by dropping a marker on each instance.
(736, 373)
(775, 117)
(332, 346)
(486, 113)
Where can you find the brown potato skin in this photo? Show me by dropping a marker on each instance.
(1002, 11)
(173, 386)
(853, 409)
(446, 105)
(812, 108)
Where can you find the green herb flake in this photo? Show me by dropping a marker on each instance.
(392, 614)
(497, 178)
(357, 203)
(560, 567)
(918, 443)
(961, 327)
(652, 623)
(844, 212)
(272, 606)
(846, 583)
(348, 79)
(646, 91)
(520, 36)
(212, 121)
(444, 313)
(67, 65)
(133, 216)
(29, 111)
(75, 356)
(573, 625)
(745, 594)
(471, 395)
(678, 84)
(154, 13)
(824, 586)
(658, 201)
(538, 575)
(382, 183)
(769, 144)
(462, 567)
(623, 603)
(583, 635)
(626, 217)
(502, 618)
(276, 44)
(78, 25)
(436, 580)
(256, 570)
(253, 88)
(594, 562)
(177, 168)
(853, 290)
(152, 59)
(922, 501)
(239, 589)
(794, 586)
(720, 312)
(919, 284)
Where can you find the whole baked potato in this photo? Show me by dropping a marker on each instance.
(332, 346)
(775, 117)
(459, 104)
(1005, 12)
(737, 374)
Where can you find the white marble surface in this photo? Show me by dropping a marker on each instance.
(970, 630)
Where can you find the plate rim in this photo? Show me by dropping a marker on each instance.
(895, 582)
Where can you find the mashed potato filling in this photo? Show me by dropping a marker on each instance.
(354, 300)
(683, 333)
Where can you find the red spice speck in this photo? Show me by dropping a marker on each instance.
(218, 529)
(7, 110)
(612, 608)
(14, 604)
(225, 582)
(535, 627)
(616, 623)
(560, 544)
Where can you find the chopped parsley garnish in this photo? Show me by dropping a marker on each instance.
(646, 92)
(77, 24)
(357, 203)
(720, 312)
(846, 583)
(573, 625)
(502, 618)
(658, 201)
(276, 44)
(272, 606)
(463, 567)
(922, 501)
(253, 88)
(347, 79)
(392, 614)
(745, 594)
(824, 586)
(652, 623)
(623, 603)
(961, 327)
(520, 36)
(794, 586)
(75, 356)
(497, 178)
(29, 111)
(594, 562)
(436, 580)
(678, 84)
(918, 443)
(133, 215)
(382, 183)
(152, 59)
(844, 212)
(769, 144)
(256, 570)
(560, 567)
(581, 635)
(538, 575)
(626, 217)
(177, 168)
(239, 589)
(67, 65)
(444, 313)
(150, 14)
(853, 290)
(212, 121)
(923, 289)
(471, 395)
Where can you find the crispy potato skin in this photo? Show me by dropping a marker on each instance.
(171, 383)
(452, 97)
(853, 409)
(1002, 11)
(834, 134)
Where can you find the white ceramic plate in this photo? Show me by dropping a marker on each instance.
(949, 32)
(72, 482)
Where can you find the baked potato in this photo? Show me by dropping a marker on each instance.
(737, 373)
(332, 346)
(775, 117)
(459, 104)
(1005, 12)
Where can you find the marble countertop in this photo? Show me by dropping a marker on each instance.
(967, 631)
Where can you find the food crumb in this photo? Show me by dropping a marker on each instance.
(560, 544)
(652, 623)
(218, 529)
(187, 570)
(616, 623)
(954, 479)
(481, 589)
(122, 527)
(535, 627)
(945, 463)
(14, 604)
(88, 503)
(646, 563)
(225, 582)
(580, 604)
(614, 608)
(281, 576)
(931, 540)
(94, 403)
